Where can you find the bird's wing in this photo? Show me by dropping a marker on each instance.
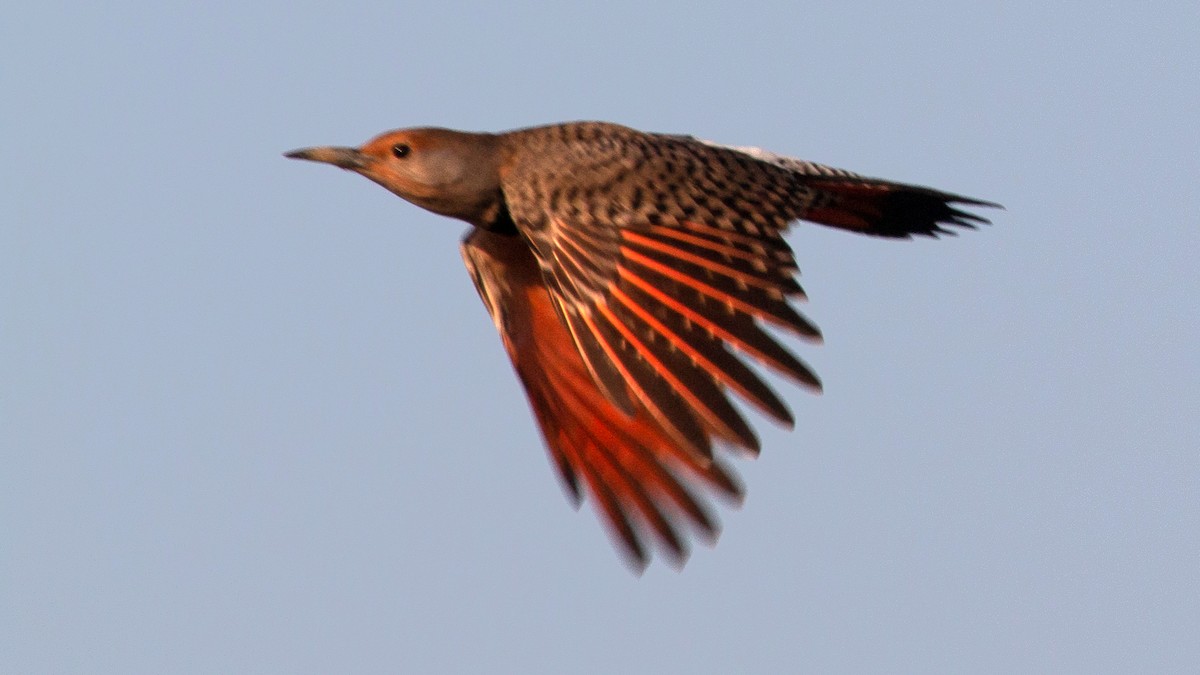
(640, 478)
(664, 257)
(663, 261)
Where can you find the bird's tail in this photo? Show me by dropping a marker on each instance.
(886, 209)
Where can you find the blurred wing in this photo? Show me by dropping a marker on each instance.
(636, 471)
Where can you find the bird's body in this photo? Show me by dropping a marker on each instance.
(627, 274)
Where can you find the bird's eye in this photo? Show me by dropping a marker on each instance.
(401, 150)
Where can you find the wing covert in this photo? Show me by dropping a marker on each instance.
(664, 256)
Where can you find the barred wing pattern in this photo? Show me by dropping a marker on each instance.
(638, 475)
(663, 258)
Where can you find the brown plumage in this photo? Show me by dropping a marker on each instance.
(628, 274)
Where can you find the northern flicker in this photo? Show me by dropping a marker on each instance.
(630, 275)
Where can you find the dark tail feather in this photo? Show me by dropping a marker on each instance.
(885, 209)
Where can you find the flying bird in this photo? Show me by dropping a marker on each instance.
(631, 276)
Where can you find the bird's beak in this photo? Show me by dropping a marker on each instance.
(348, 158)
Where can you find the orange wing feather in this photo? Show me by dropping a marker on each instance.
(643, 480)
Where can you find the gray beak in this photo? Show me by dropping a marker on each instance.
(347, 158)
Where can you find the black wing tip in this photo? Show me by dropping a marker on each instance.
(672, 546)
(728, 483)
(572, 492)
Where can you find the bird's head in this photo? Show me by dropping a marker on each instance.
(451, 173)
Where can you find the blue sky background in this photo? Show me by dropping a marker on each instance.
(254, 418)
